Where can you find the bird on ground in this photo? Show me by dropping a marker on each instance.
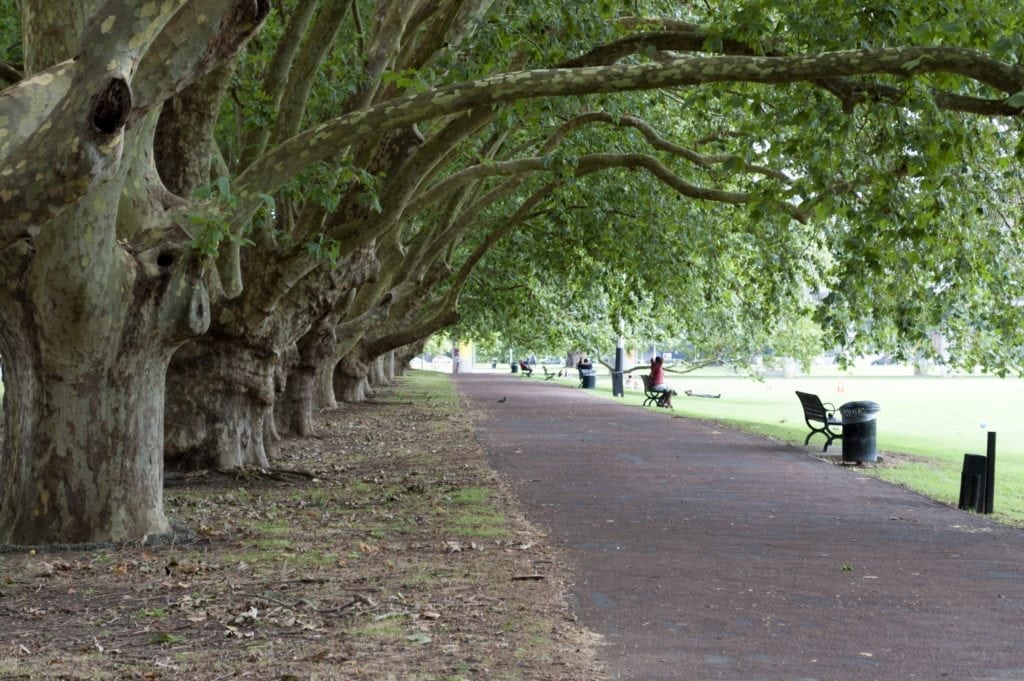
(502, 399)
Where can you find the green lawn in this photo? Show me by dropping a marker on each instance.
(935, 419)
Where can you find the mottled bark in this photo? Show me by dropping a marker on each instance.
(351, 376)
(324, 396)
(52, 30)
(347, 336)
(222, 389)
(378, 378)
(83, 409)
(405, 354)
(97, 290)
(219, 391)
(298, 404)
(184, 145)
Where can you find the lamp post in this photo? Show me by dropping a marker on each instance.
(620, 360)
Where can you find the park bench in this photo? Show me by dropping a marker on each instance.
(818, 412)
(651, 396)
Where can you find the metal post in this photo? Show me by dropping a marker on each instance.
(618, 390)
(990, 472)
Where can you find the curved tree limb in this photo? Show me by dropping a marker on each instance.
(192, 45)
(9, 73)
(681, 36)
(295, 95)
(316, 144)
(276, 78)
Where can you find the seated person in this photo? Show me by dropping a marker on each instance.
(525, 368)
(658, 383)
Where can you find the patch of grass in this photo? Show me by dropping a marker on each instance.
(528, 651)
(361, 488)
(272, 527)
(386, 629)
(474, 514)
(469, 496)
(165, 639)
(483, 525)
(153, 612)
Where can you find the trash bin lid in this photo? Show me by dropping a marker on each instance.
(859, 410)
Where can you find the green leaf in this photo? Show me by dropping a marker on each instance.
(224, 186)
(1016, 100)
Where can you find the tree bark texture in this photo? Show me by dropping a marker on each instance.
(219, 391)
(378, 379)
(299, 402)
(97, 289)
(351, 376)
(222, 388)
(83, 411)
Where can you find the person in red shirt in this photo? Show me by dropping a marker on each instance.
(658, 383)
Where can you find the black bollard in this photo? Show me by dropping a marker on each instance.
(978, 480)
(990, 472)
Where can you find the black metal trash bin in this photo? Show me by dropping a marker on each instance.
(515, 368)
(589, 379)
(859, 425)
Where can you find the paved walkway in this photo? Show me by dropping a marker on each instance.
(702, 553)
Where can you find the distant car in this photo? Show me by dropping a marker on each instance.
(885, 360)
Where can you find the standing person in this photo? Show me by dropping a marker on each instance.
(658, 383)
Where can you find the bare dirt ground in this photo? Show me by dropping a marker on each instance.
(393, 553)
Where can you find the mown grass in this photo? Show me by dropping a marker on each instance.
(934, 419)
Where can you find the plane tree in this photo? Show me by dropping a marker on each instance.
(112, 259)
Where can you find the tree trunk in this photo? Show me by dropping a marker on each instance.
(324, 396)
(83, 410)
(219, 393)
(403, 356)
(303, 388)
(83, 450)
(350, 377)
(297, 402)
(378, 379)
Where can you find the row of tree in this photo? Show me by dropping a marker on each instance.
(217, 216)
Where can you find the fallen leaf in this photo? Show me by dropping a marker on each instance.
(250, 614)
